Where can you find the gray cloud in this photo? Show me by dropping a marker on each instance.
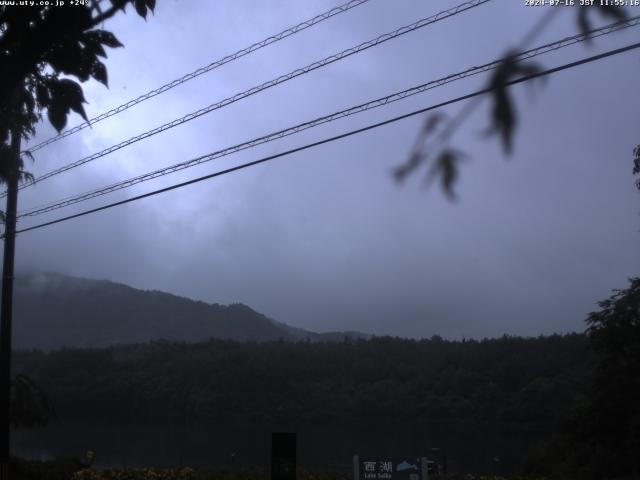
(325, 239)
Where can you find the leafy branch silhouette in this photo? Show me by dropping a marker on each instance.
(503, 117)
(40, 49)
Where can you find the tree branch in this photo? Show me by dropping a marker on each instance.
(107, 14)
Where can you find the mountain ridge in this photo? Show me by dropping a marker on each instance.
(53, 310)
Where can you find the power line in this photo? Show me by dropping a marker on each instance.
(523, 79)
(454, 123)
(281, 79)
(542, 23)
(207, 68)
(553, 46)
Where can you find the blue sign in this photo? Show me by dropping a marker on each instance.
(397, 468)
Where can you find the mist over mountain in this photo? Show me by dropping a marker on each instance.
(54, 310)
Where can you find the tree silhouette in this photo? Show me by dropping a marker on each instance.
(614, 415)
(40, 45)
(30, 406)
(504, 114)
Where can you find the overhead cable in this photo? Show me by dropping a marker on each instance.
(252, 91)
(202, 70)
(534, 52)
(522, 79)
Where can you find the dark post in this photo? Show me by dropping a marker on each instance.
(6, 308)
(283, 456)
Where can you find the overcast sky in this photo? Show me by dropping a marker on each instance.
(325, 239)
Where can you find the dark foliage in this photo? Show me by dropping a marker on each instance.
(446, 168)
(524, 384)
(613, 12)
(614, 428)
(602, 438)
(39, 45)
(503, 118)
(61, 469)
(30, 406)
(503, 114)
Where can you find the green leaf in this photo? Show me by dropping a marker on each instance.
(28, 102)
(92, 44)
(65, 95)
(503, 115)
(72, 91)
(105, 38)
(57, 114)
(141, 7)
(66, 58)
(42, 95)
(611, 11)
(432, 123)
(99, 72)
(446, 167)
(29, 154)
(27, 177)
(416, 158)
(504, 118)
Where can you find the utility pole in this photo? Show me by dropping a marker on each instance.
(6, 305)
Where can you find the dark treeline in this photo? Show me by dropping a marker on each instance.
(524, 382)
(570, 403)
(573, 399)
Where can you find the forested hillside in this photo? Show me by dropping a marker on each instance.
(524, 383)
(54, 311)
(564, 405)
